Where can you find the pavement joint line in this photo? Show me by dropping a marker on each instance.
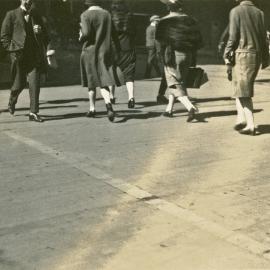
(237, 239)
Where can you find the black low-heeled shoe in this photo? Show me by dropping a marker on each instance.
(35, 117)
(113, 100)
(168, 114)
(90, 114)
(239, 126)
(191, 115)
(110, 112)
(11, 108)
(250, 132)
(131, 103)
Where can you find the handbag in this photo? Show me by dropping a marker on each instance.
(196, 77)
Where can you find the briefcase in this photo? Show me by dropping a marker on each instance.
(196, 77)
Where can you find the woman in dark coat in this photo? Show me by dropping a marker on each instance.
(180, 38)
(97, 67)
(123, 25)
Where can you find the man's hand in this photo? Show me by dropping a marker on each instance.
(37, 29)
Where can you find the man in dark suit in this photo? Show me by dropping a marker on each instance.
(24, 37)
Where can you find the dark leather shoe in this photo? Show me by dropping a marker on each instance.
(168, 114)
(110, 112)
(131, 103)
(90, 114)
(239, 126)
(113, 100)
(250, 132)
(162, 100)
(11, 108)
(191, 115)
(35, 117)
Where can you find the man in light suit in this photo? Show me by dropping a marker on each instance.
(24, 37)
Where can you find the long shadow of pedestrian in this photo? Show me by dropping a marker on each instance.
(135, 114)
(148, 104)
(41, 108)
(262, 81)
(63, 101)
(199, 100)
(62, 116)
(263, 129)
(203, 116)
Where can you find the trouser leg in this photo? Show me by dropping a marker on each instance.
(34, 90)
(13, 98)
(163, 85)
(156, 66)
(150, 57)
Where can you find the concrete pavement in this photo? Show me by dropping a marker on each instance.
(145, 192)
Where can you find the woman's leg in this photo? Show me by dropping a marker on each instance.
(187, 103)
(105, 92)
(241, 119)
(130, 89)
(247, 105)
(112, 91)
(169, 107)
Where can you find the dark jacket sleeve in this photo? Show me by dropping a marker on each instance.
(6, 31)
(265, 45)
(234, 34)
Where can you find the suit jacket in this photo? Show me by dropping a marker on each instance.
(247, 32)
(13, 33)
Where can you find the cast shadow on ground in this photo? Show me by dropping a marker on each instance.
(262, 81)
(62, 116)
(205, 115)
(148, 104)
(63, 101)
(199, 100)
(135, 114)
(41, 108)
(263, 129)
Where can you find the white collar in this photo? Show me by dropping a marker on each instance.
(94, 8)
(23, 8)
